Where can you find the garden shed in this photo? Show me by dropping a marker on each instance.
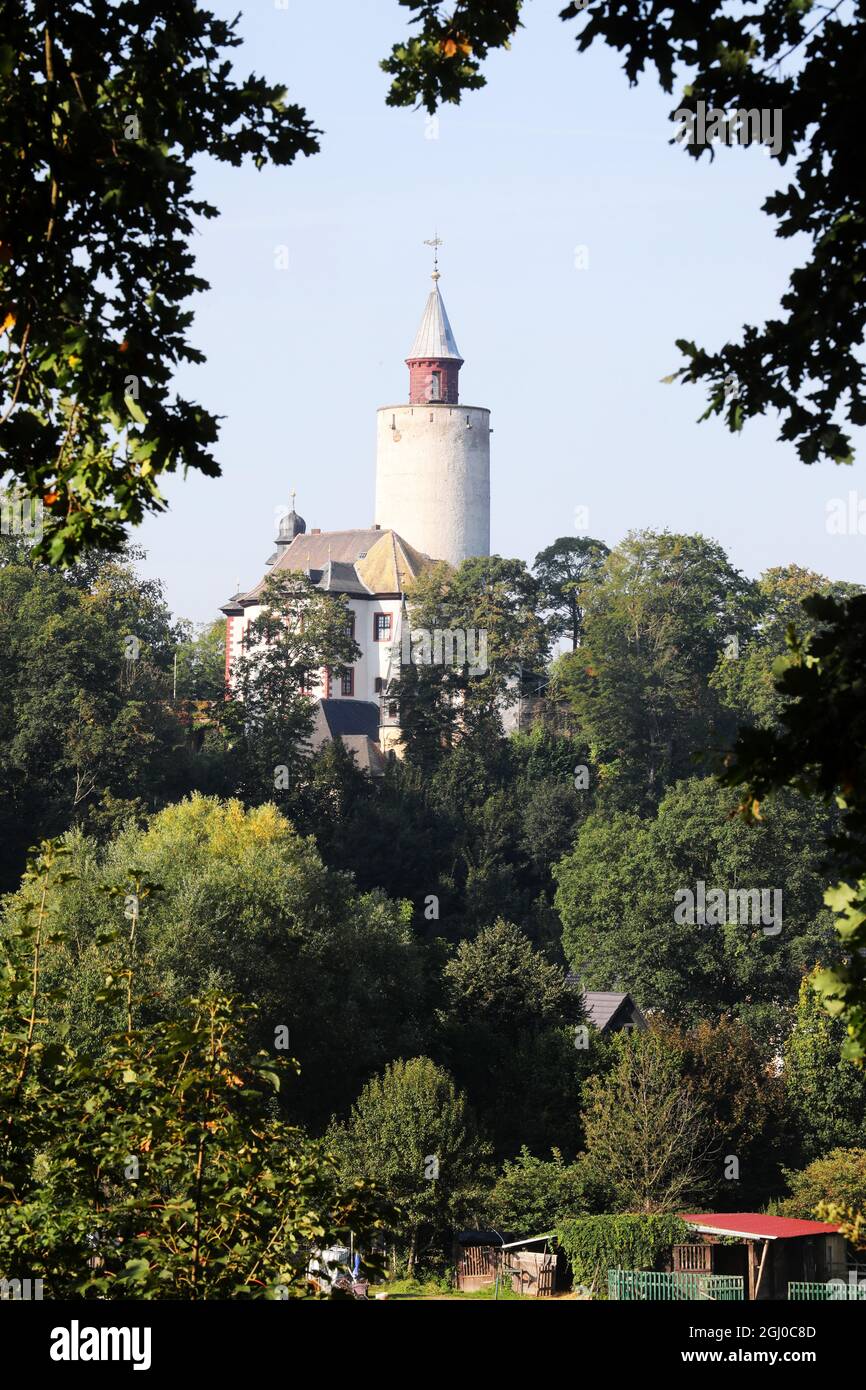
(528, 1265)
(767, 1252)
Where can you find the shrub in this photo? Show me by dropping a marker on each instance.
(595, 1244)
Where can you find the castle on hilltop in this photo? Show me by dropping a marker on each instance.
(432, 504)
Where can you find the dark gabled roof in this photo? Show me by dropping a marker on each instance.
(339, 578)
(351, 717)
(602, 1006)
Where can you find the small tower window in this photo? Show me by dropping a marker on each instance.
(348, 683)
(436, 386)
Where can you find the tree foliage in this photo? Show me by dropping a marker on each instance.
(826, 1092)
(837, 1178)
(617, 895)
(152, 1167)
(800, 60)
(532, 1196)
(595, 1244)
(647, 1131)
(819, 749)
(412, 1131)
(88, 734)
(105, 110)
(657, 618)
(494, 603)
(562, 571)
(244, 906)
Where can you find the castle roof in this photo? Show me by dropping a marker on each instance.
(434, 338)
(363, 564)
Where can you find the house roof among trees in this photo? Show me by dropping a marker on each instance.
(602, 1006)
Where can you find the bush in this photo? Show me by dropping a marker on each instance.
(532, 1195)
(839, 1178)
(595, 1244)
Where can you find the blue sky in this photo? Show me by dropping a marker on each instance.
(557, 152)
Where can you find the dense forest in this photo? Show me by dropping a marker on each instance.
(394, 965)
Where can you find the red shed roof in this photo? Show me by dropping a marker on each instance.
(755, 1226)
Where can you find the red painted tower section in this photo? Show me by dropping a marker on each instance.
(433, 379)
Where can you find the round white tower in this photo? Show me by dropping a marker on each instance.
(433, 455)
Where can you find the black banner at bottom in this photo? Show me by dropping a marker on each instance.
(84, 1341)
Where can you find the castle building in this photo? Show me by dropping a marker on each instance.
(432, 504)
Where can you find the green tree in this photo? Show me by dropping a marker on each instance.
(726, 1067)
(646, 1130)
(299, 632)
(494, 604)
(106, 110)
(87, 733)
(617, 896)
(826, 1094)
(563, 570)
(508, 1034)
(201, 662)
(777, 57)
(153, 1167)
(246, 908)
(837, 1178)
(534, 1195)
(745, 677)
(412, 1131)
(819, 749)
(656, 621)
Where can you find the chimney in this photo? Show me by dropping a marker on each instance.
(316, 531)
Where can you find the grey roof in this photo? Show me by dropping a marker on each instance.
(363, 564)
(311, 551)
(348, 716)
(601, 1006)
(291, 525)
(434, 337)
(338, 578)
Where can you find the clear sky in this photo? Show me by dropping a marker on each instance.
(556, 153)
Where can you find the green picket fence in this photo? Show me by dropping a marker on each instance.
(640, 1284)
(836, 1291)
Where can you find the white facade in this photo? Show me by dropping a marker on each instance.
(433, 477)
(379, 659)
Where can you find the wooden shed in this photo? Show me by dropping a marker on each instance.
(767, 1252)
(527, 1265)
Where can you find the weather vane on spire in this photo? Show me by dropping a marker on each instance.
(435, 242)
